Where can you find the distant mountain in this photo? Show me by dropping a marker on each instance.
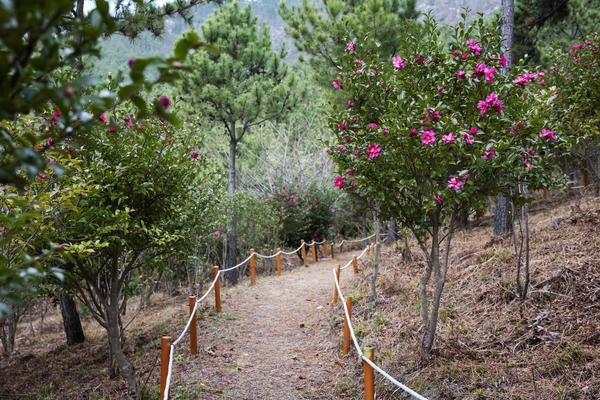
(117, 50)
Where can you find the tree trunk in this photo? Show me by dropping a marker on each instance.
(232, 276)
(501, 216)
(116, 348)
(373, 279)
(71, 321)
(393, 231)
(502, 223)
(364, 230)
(8, 330)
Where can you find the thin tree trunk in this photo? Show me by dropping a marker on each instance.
(373, 279)
(71, 321)
(232, 276)
(393, 231)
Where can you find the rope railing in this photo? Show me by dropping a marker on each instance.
(169, 345)
(348, 326)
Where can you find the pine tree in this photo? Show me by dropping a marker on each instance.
(246, 84)
(322, 32)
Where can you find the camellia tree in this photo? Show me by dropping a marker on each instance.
(434, 130)
(576, 75)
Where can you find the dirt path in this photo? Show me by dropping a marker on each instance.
(271, 341)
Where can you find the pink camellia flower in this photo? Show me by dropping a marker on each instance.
(468, 138)
(549, 134)
(450, 137)
(479, 68)
(131, 62)
(483, 107)
(102, 118)
(398, 62)
(49, 141)
(164, 101)
(71, 150)
(428, 136)
(373, 150)
(351, 46)
(438, 198)
(464, 56)
(489, 74)
(460, 74)
(474, 130)
(337, 85)
(195, 154)
(455, 183)
(333, 210)
(373, 126)
(528, 164)
(474, 46)
(343, 125)
(435, 114)
(347, 139)
(217, 233)
(341, 148)
(489, 153)
(112, 129)
(576, 47)
(385, 131)
(350, 104)
(41, 177)
(339, 182)
(413, 132)
(129, 123)
(503, 61)
(440, 88)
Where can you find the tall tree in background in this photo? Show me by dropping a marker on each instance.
(321, 31)
(502, 222)
(243, 86)
(541, 24)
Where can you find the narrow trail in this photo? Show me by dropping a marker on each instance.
(271, 341)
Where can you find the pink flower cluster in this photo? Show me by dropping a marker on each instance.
(491, 100)
(488, 72)
(523, 79)
(549, 134)
(456, 182)
(474, 46)
(489, 153)
(351, 46)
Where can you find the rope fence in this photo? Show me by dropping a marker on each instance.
(168, 345)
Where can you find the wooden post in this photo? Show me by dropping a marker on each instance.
(332, 252)
(335, 292)
(369, 374)
(342, 247)
(324, 247)
(355, 264)
(545, 193)
(217, 290)
(164, 364)
(252, 269)
(193, 328)
(586, 176)
(314, 251)
(368, 250)
(278, 261)
(347, 325)
(303, 253)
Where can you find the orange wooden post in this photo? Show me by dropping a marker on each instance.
(314, 251)
(278, 261)
(369, 374)
(164, 364)
(252, 268)
(368, 250)
(347, 325)
(341, 247)
(335, 292)
(545, 193)
(332, 252)
(586, 176)
(325, 248)
(303, 252)
(355, 264)
(193, 330)
(217, 290)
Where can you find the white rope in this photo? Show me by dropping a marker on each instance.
(292, 252)
(320, 242)
(263, 256)
(395, 382)
(309, 244)
(359, 351)
(187, 327)
(237, 266)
